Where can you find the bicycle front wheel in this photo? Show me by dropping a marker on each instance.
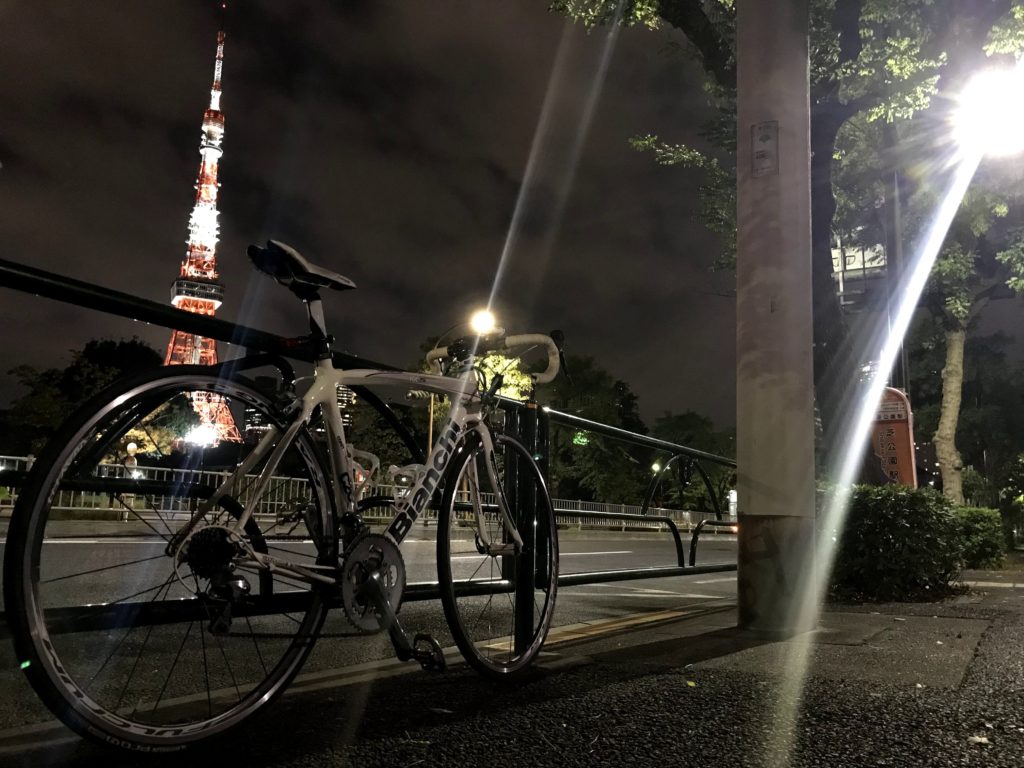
(131, 632)
(498, 598)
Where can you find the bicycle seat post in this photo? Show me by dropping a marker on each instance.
(322, 341)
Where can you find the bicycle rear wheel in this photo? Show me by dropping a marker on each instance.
(127, 638)
(498, 605)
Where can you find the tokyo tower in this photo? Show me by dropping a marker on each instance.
(197, 288)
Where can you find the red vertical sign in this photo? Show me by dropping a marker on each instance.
(892, 439)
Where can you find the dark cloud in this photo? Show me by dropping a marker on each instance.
(388, 141)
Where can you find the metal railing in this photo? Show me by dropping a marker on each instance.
(285, 494)
(533, 424)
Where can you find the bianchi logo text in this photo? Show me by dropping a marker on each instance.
(411, 506)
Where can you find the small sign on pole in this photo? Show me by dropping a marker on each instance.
(892, 439)
(764, 141)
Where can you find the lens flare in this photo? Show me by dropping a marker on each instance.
(881, 342)
(551, 167)
(204, 435)
(989, 118)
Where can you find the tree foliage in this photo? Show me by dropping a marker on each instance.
(53, 393)
(680, 489)
(587, 465)
(874, 64)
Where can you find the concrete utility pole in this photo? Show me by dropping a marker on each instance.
(775, 381)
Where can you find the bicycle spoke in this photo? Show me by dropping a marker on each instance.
(140, 592)
(138, 656)
(490, 599)
(136, 653)
(122, 502)
(487, 627)
(206, 674)
(474, 573)
(174, 664)
(101, 570)
(256, 645)
(117, 647)
(227, 663)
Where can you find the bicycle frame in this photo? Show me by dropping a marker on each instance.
(464, 416)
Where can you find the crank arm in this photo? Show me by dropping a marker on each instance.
(405, 649)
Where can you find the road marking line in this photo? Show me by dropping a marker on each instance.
(990, 584)
(669, 596)
(603, 626)
(715, 581)
(588, 554)
(642, 590)
(560, 555)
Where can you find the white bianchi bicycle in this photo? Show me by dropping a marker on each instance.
(154, 607)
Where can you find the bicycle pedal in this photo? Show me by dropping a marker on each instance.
(431, 657)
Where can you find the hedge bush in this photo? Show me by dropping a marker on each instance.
(981, 537)
(898, 544)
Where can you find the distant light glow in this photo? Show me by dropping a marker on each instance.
(204, 435)
(482, 322)
(656, 467)
(990, 115)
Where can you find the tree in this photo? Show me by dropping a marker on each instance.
(371, 432)
(871, 61)
(990, 428)
(695, 431)
(53, 393)
(590, 466)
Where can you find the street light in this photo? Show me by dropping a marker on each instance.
(989, 119)
(482, 322)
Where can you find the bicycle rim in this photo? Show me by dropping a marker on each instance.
(132, 646)
(498, 606)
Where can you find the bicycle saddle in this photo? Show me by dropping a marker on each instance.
(292, 270)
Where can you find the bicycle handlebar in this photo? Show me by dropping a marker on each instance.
(484, 345)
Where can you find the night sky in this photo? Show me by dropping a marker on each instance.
(386, 141)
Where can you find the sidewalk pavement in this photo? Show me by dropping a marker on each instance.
(924, 684)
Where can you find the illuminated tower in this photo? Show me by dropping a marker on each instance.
(197, 288)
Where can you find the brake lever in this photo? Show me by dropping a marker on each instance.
(496, 382)
(559, 338)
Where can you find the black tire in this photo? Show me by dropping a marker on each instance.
(122, 645)
(483, 594)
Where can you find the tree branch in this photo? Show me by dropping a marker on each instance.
(715, 51)
(989, 290)
(846, 23)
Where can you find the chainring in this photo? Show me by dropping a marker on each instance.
(371, 552)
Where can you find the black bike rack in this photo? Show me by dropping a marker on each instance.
(533, 425)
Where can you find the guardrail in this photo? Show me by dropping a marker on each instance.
(690, 458)
(533, 424)
(285, 493)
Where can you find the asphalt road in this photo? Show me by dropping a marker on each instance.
(343, 655)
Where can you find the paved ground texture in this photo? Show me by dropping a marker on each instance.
(937, 684)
